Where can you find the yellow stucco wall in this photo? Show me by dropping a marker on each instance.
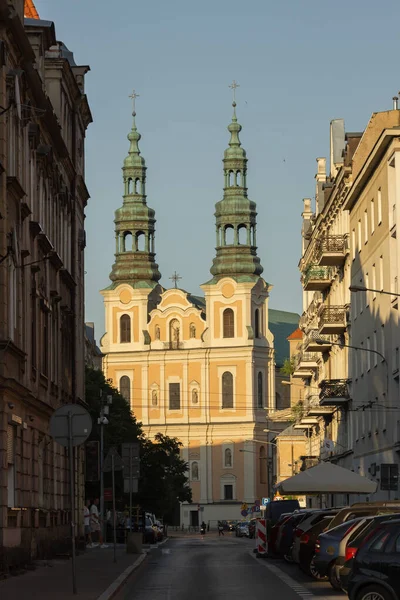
(117, 313)
(219, 307)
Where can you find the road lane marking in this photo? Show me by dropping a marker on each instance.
(294, 585)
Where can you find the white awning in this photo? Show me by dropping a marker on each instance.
(327, 478)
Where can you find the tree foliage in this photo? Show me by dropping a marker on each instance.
(288, 366)
(163, 474)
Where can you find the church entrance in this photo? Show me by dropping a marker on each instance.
(194, 518)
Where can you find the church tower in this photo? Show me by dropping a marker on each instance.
(135, 223)
(236, 216)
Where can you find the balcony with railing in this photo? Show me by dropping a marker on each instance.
(334, 392)
(305, 364)
(332, 251)
(332, 319)
(310, 342)
(316, 278)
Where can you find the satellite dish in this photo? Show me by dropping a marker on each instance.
(18, 97)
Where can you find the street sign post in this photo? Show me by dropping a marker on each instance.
(113, 462)
(131, 459)
(70, 426)
(265, 501)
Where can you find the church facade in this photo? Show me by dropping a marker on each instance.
(197, 368)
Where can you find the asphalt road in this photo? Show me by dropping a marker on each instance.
(217, 569)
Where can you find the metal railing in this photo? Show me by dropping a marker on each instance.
(332, 315)
(334, 388)
(331, 244)
(316, 272)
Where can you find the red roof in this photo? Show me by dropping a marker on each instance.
(30, 11)
(296, 335)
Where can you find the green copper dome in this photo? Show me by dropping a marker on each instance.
(236, 217)
(135, 224)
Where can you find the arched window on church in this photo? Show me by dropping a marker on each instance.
(130, 186)
(137, 185)
(242, 235)
(263, 465)
(125, 387)
(230, 178)
(227, 390)
(260, 398)
(238, 178)
(125, 329)
(128, 241)
(229, 235)
(228, 323)
(257, 323)
(140, 241)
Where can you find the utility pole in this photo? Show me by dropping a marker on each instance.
(105, 402)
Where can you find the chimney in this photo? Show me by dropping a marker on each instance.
(395, 103)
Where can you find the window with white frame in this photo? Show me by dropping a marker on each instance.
(368, 357)
(227, 390)
(375, 348)
(359, 235)
(365, 227)
(353, 244)
(374, 281)
(381, 285)
(367, 286)
(382, 348)
(228, 487)
(174, 396)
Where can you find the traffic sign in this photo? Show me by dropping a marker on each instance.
(81, 425)
(131, 486)
(244, 513)
(108, 461)
(266, 501)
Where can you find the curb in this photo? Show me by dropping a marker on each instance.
(115, 587)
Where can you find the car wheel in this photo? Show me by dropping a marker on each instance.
(373, 592)
(314, 573)
(288, 557)
(333, 578)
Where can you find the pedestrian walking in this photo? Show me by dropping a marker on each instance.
(96, 521)
(220, 529)
(86, 523)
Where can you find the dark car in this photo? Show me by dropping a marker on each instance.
(307, 545)
(312, 519)
(376, 567)
(285, 536)
(242, 529)
(332, 544)
(344, 563)
(273, 533)
(364, 510)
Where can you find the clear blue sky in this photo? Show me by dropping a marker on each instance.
(299, 64)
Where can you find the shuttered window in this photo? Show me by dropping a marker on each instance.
(227, 390)
(229, 323)
(174, 396)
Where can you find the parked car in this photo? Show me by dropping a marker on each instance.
(330, 548)
(332, 544)
(375, 571)
(232, 525)
(149, 534)
(242, 529)
(307, 545)
(312, 519)
(344, 563)
(274, 533)
(286, 532)
(366, 509)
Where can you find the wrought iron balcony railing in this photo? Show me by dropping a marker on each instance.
(316, 278)
(310, 342)
(332, 319)
(334, 392)
(331, 250)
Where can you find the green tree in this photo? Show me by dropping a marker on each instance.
(163, 476)
(122, 426)
(288, 366)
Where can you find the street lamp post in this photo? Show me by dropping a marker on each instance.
(275, 444)
(361, 288)
(105, 401)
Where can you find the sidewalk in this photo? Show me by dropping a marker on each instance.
(95, 572)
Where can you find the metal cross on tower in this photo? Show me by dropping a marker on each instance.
(234, 85)
(133, 97)
(175, 278)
